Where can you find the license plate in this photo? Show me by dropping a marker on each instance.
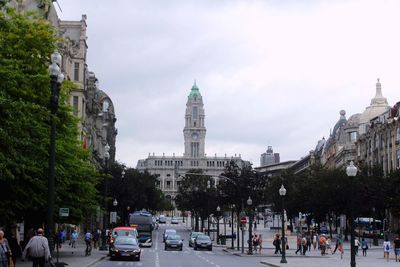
(125, 254)
(173, 246)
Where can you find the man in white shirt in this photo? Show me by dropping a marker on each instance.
(37, 249)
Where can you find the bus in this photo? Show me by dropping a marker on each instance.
(143, 222)
(367, 227)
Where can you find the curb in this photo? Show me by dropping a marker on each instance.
(95, 261)
(269, 264)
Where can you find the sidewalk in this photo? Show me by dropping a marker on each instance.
(72, 257)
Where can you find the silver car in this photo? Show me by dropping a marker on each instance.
(202, 241)
(168, 232)
(193, 236)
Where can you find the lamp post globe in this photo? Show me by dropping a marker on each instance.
(282, 193)
(115, 202)
(351, 172)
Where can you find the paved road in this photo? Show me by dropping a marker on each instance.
(158, 257)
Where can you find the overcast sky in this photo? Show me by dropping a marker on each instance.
(271, 73)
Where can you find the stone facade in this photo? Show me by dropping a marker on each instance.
(170, 169)
(380, 144)
(96, 128)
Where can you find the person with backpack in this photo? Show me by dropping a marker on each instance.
(322, 244)
(364, 247)
(386, 249)
(88, 241)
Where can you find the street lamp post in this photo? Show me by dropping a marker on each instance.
(115, 203)
(208, 204)
(103, 232)
(282, 193)
(250, 203)
(56, 79)
(127, 215)
(233, 241)
(351, 171)
(218, 210)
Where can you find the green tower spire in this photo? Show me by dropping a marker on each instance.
(194, 92)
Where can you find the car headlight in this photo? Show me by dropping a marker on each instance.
(114, 249)
(136, 250)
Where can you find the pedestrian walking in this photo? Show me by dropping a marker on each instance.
(386, 249)
(5, 251)
(356, 245)
(396, 247)
(308, 237)
(254, 241)
(336, 245)
(74, 237)
(304, 245)
(259, 243)
(322, 244)
(364, 247)
(314, 241)
(277, 244)
(298, 243)
(96, 238)
(16, 250)
(37, 249)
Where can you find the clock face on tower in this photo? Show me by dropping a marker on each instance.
(195, 136)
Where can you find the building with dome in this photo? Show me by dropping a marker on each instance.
(170, 169)
(342, 145)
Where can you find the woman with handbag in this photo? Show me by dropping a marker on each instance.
(5, 251)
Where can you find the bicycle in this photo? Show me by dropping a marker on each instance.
(88, 249)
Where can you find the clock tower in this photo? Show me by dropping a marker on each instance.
(194, 132)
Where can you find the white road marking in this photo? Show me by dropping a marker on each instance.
(157, 262)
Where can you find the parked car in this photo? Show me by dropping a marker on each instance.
(168, 232)
(192, 237)
(162, 219)
(174, 221)
(125, 247)
(202, 241)
(174, 241)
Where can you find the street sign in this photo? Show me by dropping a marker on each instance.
(243, 220)
(64, 212)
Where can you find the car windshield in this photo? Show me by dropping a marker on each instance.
(174, 237)
(203, 237)
(169, 232)
(195, 234)
(124, 233)
(125, 241)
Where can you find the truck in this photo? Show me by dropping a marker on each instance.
(143, 222)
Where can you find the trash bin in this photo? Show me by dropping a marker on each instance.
(222, 239)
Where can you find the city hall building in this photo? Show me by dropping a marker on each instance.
(170, 169)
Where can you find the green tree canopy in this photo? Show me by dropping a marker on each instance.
(26, 44)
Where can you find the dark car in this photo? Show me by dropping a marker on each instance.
(193, 236)
(168, 232)
(174, 241)
(125, 247)
(202, 241)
